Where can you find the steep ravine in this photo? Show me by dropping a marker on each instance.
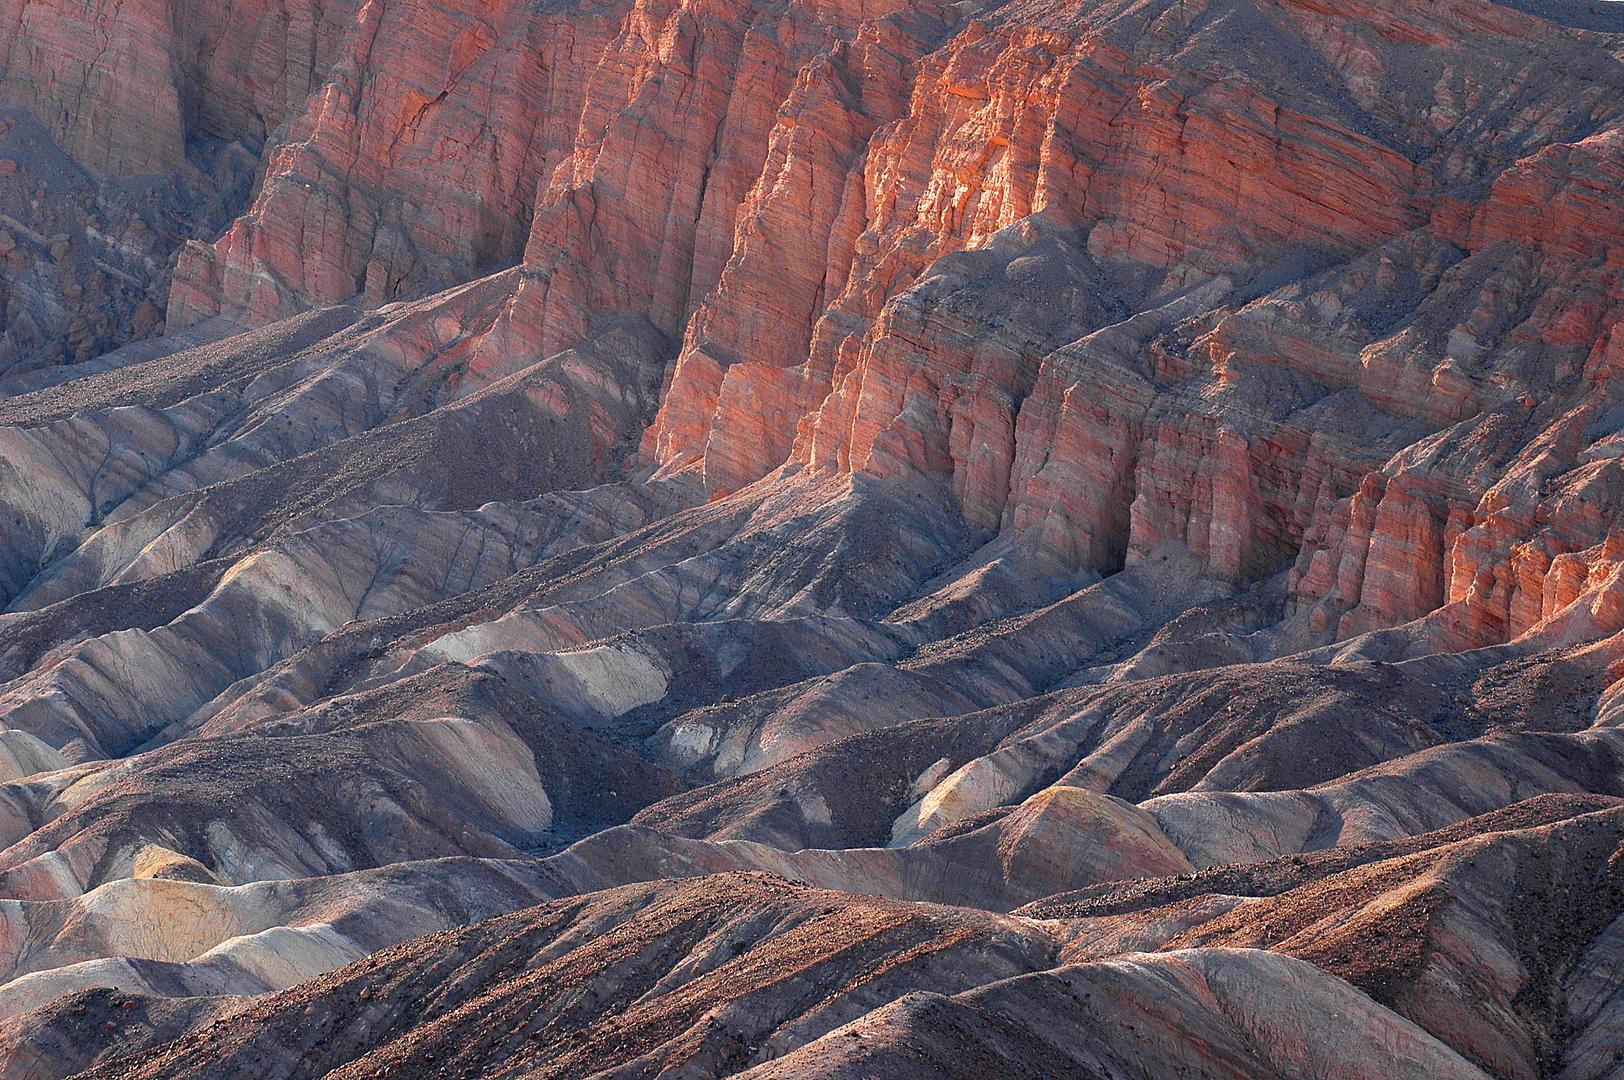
(909, 539)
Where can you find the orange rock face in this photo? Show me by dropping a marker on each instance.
(1259, 432)
(1252, 281)
(413, 161)
(1036, 255)
(124, 86)
(1150, 470)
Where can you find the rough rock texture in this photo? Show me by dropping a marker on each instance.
(1058, 537)
(85, 256)
(1229, 1013)
(703, 976)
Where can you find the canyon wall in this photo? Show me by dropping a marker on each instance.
(1118, 273)
(908, 529)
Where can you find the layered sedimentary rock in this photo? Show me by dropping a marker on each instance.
(823, 148)
(1072, 538)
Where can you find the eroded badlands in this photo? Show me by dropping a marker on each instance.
(840, 538)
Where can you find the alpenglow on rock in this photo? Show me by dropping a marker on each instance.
(738, 538)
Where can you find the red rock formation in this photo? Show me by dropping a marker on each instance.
(923, 426)
(124, 86)
(779, 187)
(414, 161)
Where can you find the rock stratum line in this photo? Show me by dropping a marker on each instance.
(784, 538)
